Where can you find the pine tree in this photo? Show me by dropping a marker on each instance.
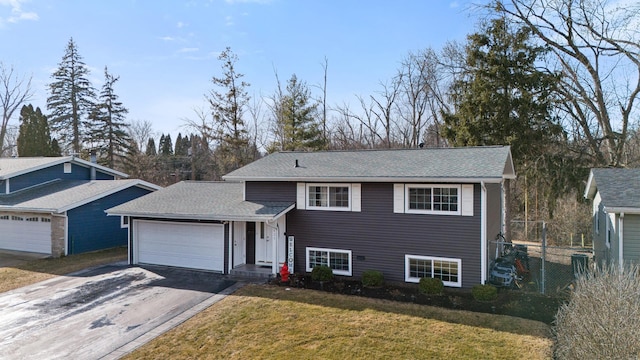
(71, 98)
(151, 148)
(165, 148)
(108, 129)
(34, 138)
(228, 101)
(297, 119)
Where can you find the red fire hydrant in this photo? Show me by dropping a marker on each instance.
(284, 273)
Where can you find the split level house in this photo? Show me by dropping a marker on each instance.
(615, 198)
(407, 213)
(55, 205)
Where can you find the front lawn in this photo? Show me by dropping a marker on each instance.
(42, 269)
(270, 322)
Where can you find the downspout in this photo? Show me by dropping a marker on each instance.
(621, 241)
(232, 234)
(483, 233)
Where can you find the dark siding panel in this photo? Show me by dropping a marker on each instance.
(48, 174)
(494, 216)
(3, 186)
(91, 229)
(383, 238)
(104, 176)
(270, 191)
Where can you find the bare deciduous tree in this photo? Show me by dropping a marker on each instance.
(596, 46)
(15, 91)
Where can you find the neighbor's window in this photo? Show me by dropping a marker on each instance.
(328, 197)
(338, 260)
(439, 199)
(446, 269)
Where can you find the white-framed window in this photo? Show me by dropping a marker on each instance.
(329, 197)
(16, 218)
(447, 269)
(67, 168)
(124, 221)
(432, 199)
(338, 260)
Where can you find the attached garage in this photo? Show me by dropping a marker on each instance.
(180, 244)
(25, 233)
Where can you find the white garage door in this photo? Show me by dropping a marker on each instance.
(25, 233)
(189, 245)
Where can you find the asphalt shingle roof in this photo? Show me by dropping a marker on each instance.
(10, 167)
(61, 195)
(619, 188)
(201, 200)
(382, 165)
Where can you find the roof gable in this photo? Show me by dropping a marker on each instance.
(618, 188)
(60, 196)
(470, 164)
(12, 167)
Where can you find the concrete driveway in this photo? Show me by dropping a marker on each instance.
(101, 313)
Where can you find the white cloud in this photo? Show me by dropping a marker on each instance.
(187, 50)
(180, 25)
(228, 20)
(454, 4)
(17, 14)
(167, 38)
(248, 1)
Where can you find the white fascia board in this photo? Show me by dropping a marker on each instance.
(619, 210)
(495, 180)
(590, 189)
(27, 210)
(127, 185)
(221, 217)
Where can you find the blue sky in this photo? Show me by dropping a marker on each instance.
(165, 52)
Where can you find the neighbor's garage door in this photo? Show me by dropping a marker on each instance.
(30, 233)
(189, 245)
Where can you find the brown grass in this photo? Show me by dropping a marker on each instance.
(269, 322)
(35, 271)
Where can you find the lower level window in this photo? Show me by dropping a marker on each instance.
(338, 260)
(446, 269)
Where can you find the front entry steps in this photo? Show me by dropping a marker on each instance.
(252, 271)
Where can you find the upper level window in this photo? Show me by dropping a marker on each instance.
(440, 199)
(330, 197)
(67, 168)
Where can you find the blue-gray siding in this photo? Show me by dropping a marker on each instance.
(91, 229)
(52, 173)
(379, 238)
(631, 238)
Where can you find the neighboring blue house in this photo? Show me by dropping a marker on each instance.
(615, 195)
(408, 213)
(56, 205)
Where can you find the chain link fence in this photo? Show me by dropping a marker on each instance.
(540, 258)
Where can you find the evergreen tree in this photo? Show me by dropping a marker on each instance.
(182, 145)
(71, 98)
(165, 148)
(34, 138)
(297, 119)
(108, 129)
(151, 148)
(228, 101)
(503, 99)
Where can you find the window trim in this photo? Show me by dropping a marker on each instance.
(124, 222)
(407, 269)
(328, 186)
(407, 199)
(328, 250)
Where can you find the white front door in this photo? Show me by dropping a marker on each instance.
(239, 243)
(264, 249)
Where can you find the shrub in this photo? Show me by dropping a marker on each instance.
(484, 292)
(431, 286)
(372, 278)
(601, 320)
(321, 273)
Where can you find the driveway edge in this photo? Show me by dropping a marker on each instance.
(172, 323)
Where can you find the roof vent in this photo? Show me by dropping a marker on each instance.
(297, 165)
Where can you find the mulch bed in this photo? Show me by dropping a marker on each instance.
(509, 302)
